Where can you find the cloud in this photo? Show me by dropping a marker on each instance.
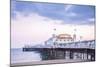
(68, 7)
(91, 19)
(69, 12)
(72, 14)
(63, 13)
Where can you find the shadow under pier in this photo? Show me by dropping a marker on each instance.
(60, 53)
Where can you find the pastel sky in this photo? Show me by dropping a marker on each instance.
(33, 22)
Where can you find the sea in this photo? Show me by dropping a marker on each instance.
(18, 56)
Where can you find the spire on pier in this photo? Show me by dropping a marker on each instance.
(74, 35)
(54, 34)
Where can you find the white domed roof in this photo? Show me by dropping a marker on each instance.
(64, 36)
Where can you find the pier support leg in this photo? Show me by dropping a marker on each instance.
(82, 56)
(71, 54)
(93, 55)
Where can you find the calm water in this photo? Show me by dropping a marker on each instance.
(17, 56)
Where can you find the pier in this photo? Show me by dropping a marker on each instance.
(84, 50)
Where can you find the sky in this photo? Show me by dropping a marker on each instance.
(33, 22)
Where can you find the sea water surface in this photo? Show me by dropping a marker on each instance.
(18, 56)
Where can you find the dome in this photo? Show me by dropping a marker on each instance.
(64, 36)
